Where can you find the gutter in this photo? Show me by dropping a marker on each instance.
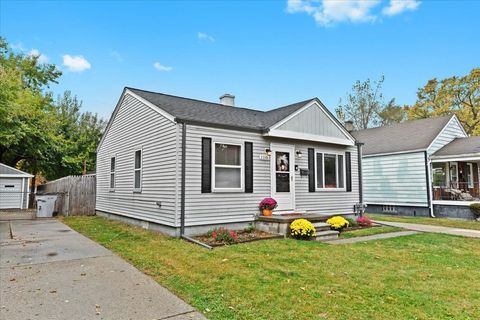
(182, 191)
(429, 194)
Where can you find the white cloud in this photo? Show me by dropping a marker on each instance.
(76, 63)
(161, 67)
(329, 12)
(204, 36)
(399, 6)
(41, 57)
(17, 46)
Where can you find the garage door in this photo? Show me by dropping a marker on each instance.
(10, 193)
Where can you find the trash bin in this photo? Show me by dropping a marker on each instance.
(45, 205)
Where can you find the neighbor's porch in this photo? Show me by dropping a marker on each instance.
(456, 181)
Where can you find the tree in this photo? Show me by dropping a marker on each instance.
(459, 95)
(366, 106)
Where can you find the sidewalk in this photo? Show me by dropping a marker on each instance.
(433, 229)
(49, 271)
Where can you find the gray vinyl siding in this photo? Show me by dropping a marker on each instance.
(313, 120)
(395, 179)
(136, 126)
(451, 131)
(230, 207)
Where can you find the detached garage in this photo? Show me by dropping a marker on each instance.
(14, 188)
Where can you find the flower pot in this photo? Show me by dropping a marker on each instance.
(267, 212)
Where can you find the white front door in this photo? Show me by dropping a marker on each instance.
(283, 175)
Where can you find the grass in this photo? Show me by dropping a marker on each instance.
(423, 276)
(368, 231)
(455, 223)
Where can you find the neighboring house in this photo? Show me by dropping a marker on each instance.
(176, 164)
(14, 188)
(427, 167)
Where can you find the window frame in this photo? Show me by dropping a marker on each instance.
(138, 190)
(344, 175)
(112, 189)
(241, 166)
(470, 182)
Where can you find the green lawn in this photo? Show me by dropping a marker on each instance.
(368, 231)
(455, 223)
(423, 276)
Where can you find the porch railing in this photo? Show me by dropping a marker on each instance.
(457, 191)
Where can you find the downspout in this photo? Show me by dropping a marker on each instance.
(429, 185)
(360, 177)
(182, 191)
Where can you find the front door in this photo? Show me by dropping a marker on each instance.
(282, 170)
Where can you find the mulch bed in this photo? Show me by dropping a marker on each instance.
(243, 236)
(361, 227)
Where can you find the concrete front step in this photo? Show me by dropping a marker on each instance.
(321, 226)
(327, 235)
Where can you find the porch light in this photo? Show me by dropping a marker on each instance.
(299, 153)
(268, 152)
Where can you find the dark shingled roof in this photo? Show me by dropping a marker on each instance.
(405, 136)
(215, 113)
(470, 145)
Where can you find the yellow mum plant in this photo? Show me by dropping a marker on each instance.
(302, 229)
(338, 223)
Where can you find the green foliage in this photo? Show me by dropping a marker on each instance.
(459, 95)
(36, 133)
(366, 107)
(475, 208)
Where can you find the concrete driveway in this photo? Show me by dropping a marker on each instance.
(49, 271)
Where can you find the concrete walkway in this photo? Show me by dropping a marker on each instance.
(433, 229)
(49, 271)
(373, 237)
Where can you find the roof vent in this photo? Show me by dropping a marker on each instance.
(349, 125)
(227, 100)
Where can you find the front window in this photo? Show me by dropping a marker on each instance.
(470, 175)
(112, 173)
(330, 171)
(227, 167)
(138, 171)
(454, 175)
(439, 173)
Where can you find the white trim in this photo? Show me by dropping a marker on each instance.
(241, 166)
(20, 173)
(429, 184)
(444, 128)
(114, 157)
(320, 105)
(454, 202)
(472, 184)
(450, 164)
(392, 153)
(137, 190)
(23, 193)
(308, 137)
(280, 147)
(323, 169)
(459, 157)
(151, 106)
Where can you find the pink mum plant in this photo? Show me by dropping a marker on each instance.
(268, 203)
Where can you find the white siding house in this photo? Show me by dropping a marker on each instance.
(183, 165)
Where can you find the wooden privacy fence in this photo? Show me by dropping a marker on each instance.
(76, 194)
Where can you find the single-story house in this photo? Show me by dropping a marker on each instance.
(14, 188)
(182, 166)
(427, 167)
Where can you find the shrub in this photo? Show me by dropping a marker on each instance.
(250, 228)
(268, 203)
(223, 235)
(302, 229)
(352, 222)
(364, 221)
(475, 208)
(338, 223)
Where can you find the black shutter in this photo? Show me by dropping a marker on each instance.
(311, 170)
(348, 170)
(206, 165)
(248, 167)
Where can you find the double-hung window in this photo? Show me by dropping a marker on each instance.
(227, 167)
(330, 171)
(137, 184)
(112, 173)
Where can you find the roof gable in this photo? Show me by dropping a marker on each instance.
(407, 136)
(460, 146)
(7, 171)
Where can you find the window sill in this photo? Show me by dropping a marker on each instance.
(331, 189)
(227, 191)
(137, 191)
